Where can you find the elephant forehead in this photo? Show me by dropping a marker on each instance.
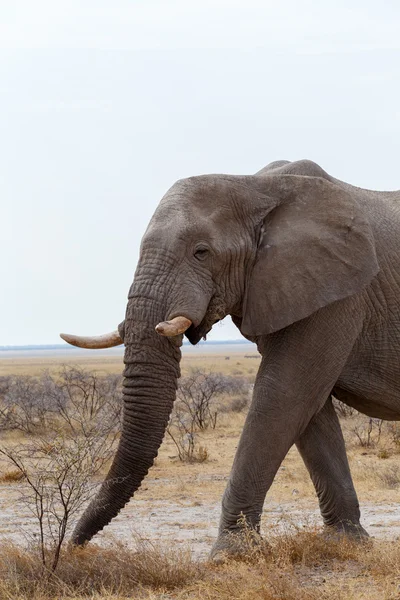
(181, 228)
(201, 207)
(202, 195)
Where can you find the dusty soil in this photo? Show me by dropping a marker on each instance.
(179, 504)
(190, 521)
(196, 524)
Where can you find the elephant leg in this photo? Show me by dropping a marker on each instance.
(299, 368)
(323, 451)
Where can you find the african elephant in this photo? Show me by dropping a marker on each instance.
(309, 269)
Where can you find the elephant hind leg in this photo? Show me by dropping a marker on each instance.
(323, 451)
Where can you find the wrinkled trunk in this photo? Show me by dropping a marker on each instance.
(151, 373)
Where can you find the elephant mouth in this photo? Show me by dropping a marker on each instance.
(195, 334)
(215, 312)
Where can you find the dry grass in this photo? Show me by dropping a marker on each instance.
(26, 363)
(301, 565)
(12, 476)
(84, 572)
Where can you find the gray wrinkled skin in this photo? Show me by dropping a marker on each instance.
(309, 268)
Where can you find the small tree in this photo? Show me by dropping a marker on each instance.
(57, 471)
(57, 481)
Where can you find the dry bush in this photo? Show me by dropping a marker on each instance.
(199, 392)
(393, 429)
(87, 402)
(342, 409)
(236, 404)
(196, 408)
(26, 404)
(57, 471)
(32, 404)
(182, 431)
(56, 482)
(367, 431)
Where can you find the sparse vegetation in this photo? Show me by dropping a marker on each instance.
(342, 409)
(367, 431)
(95, 572)
(300, 564)
(199, 396)
(72, 397)
(56, 469)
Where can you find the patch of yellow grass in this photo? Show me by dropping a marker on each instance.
(245, 362)
(83, 572)
(11, 476)
(299, 566)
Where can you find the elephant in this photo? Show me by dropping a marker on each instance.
(308, 268)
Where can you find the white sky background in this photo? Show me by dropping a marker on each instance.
(103, 105)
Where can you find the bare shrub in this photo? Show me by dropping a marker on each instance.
(236, 404)
(182, 431)
(73, 397)
(56, 475)
(57, 471)
(196, 408)
(199, 392)
(367, 431)
(342, 409)
(27, 403)
(4, 385)
(394, 434)
(87, 402)
(196, 394)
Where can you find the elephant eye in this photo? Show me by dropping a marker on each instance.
(201, 253)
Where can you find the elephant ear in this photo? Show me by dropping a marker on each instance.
(315, 247)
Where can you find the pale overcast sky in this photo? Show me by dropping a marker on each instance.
(103, 105)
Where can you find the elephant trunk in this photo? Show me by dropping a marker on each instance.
(150, 381)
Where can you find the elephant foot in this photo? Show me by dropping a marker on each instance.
(347, 530)
(242, 544)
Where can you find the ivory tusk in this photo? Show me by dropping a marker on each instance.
(108, 340)
(176, 326)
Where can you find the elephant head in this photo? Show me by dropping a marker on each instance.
(267, 249)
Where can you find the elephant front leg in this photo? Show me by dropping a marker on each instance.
(323, 451)
(268, 434)
(299, 368)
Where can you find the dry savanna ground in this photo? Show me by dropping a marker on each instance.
(157, 548)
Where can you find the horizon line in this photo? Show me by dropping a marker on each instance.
(11, 347)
